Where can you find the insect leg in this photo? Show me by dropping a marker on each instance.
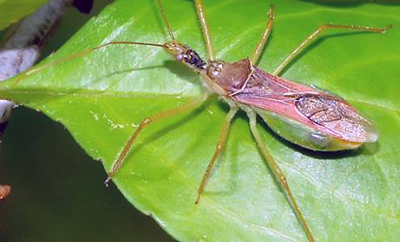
(220, 146)
(267, 32)
(77, 55)
(318, 32)
(146, 121)
(278, 174)
(171, 34)
(206, 33)
(259, 48)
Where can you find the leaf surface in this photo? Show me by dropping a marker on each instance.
(102, 97)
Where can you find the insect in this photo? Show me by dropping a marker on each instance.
(304, 115)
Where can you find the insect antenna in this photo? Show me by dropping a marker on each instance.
(86, 52)
(77, 55)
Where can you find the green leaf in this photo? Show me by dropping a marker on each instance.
(12, 11)
(102, 97)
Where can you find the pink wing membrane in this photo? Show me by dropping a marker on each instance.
(319, 110)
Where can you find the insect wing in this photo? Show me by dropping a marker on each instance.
(306, 116)
(336, 115)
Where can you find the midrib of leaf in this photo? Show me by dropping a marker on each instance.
(88, 93)
(91, 94)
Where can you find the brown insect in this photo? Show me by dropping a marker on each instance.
(301, 114)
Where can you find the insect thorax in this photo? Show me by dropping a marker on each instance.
(231, 77)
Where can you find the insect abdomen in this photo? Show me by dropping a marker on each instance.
(302, 135)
